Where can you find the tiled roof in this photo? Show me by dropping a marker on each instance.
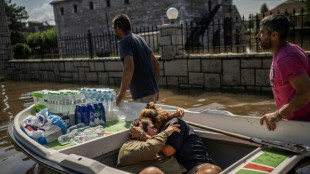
(288, 5)
(57, 1)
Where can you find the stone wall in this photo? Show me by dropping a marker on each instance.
(82, 70)
(5, 43)
(246, 72)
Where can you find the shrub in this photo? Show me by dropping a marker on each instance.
(21, 51)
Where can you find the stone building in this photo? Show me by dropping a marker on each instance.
(5, 43)
(77, 17)
(37, 26)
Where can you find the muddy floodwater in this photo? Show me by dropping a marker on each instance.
(16, 96)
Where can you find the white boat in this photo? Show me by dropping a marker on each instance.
(234, 155)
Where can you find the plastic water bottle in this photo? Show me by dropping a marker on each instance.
(89, 134)
(45, 98)
(113, 99)
(80, 125)
(110, 102)
(64, 139)
(65, 104)
(38, 100)
(78, 116)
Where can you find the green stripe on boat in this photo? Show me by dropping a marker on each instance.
(110, 126)
(271, 158)
(245, 171)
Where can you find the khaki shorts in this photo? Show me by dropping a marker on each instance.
(147, 99)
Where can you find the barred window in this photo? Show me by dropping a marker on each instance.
(108, 3)
(91, 5)
(75, 8)
(62, 11)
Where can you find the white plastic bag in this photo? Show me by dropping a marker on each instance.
(44, 127)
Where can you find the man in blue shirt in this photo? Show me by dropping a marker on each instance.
(141, 68)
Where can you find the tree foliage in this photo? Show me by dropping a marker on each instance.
(264, 8)
(17, 16)
(21, 51)
(41, 40)
(307, 5)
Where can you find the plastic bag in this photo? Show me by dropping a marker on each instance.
(44, 127)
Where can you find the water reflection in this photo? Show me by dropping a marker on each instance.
(16, 96)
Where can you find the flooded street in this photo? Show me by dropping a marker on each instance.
(16, 96)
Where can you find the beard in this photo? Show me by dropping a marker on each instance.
(266, 44)
(118, 37)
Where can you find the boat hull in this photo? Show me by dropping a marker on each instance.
(99, 155)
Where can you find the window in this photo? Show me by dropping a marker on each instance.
(126, 1)
(108, 3)
(62, 12)
(91, 5)
(75, 8)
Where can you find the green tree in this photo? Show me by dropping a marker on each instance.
(17, 16)
(307, 5)
(263, 8)
(42, 40)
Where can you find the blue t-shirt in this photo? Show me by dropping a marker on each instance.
(190, 151)
(143, 82)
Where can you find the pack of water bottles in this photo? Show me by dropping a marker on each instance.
(60, 102)
(80, 133)
(44, 127)
(106, 96)
(91, 114)
(84, 105)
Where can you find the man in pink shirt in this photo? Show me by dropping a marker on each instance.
(289, 72)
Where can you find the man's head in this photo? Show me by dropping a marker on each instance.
(121, 25)
(273, 27)
(147, 126)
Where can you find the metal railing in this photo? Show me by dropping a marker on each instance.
(238, 35)
(209, 35)
(93, 44)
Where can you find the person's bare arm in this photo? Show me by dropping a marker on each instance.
(168, 150)
(156, 66)
(302, 96)
(179, 113)
(127, 76)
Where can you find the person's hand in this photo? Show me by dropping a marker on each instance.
(180, 113)
(172, 128)
(270, 120)
(135, 131)
(119, 98)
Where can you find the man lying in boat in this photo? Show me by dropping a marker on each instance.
(186, 146)
(135, 155)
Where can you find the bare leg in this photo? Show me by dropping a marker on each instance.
(208, 169)
(151, 170)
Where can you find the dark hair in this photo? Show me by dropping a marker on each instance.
(278, 23)
(122, 21)
(144, 121)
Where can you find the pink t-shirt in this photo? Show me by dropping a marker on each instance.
(289, 62)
